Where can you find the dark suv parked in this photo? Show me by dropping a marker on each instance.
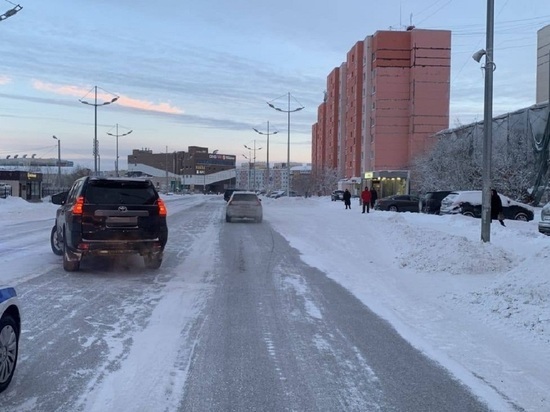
(431, 201)
(109, 216)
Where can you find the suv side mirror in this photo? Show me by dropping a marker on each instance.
(59, 198)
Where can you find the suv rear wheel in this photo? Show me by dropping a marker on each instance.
(70, 263)
(152, 260)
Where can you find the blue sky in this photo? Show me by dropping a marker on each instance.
(199, 73)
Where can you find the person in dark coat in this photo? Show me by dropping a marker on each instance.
(373, 197)
(496, 207)
(365, 199)
(347, 199)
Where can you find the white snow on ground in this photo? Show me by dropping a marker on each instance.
(480, 309)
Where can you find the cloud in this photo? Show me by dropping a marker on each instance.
(4, 79)
(103, 96)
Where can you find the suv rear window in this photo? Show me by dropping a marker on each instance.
(243, 197)
(109, 192)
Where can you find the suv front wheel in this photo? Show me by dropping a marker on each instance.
(9, 346)
(56, 243)
(71, 263)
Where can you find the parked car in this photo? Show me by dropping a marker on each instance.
(10, 331)
(337, 195)
(277, 194)
(244, 205)
(109, 216)
(398, 203)
(469, 203)
(544, 223)
(5, 190)
(431, 202)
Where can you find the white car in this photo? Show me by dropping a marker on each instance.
(469, 203)
(244, 205)
(544, 223)
(10, 330)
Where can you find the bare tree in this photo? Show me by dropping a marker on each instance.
(324, 181)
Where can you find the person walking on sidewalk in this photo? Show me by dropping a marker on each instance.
(347, 199)
(496, 207)
(373, 197)
(366, 199)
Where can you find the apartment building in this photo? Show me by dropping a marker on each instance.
(394, 94)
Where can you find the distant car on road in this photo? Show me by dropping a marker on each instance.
(469, 203)
(244, 205)
(10, 331)
(337, 195)
(398, 203)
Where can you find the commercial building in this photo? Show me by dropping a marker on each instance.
(27, 185)
(196, 170)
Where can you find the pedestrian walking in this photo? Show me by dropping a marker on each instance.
(496, 207)
(373, 197)
(366, 199)
(347, 199)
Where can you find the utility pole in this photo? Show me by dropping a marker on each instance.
(117, 135)
(58, 161)
(288, 111)
(267, 133)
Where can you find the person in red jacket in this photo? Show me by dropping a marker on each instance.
(365, 199)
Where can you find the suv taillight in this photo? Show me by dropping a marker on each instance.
(78, 206)
(162, 208)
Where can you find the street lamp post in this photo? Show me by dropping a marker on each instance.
(249, 166)
(10, 12)
(58, 161)
(267, 133)
(288, 111)
(95, 104)
(253, 164)
(117, 135)
(487, 123)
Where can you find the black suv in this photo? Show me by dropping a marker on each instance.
(431, 201)
(228, 192)
(109, 216)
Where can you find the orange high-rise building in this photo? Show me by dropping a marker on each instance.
(394, 94)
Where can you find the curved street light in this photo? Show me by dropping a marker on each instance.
(267, 133)
(249, 158)
(254, 164)
(95, 104)
(288, 111)
(10, 12)
(117, 135)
